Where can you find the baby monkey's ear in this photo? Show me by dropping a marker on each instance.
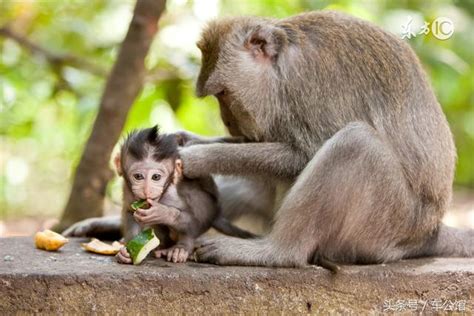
(118, 164)
(178, 171)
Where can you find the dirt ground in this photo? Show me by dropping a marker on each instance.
(460, 214)
(72, 281)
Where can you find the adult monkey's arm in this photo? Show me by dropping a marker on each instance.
(275, 160)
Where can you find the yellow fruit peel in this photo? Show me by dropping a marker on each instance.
(49, 240)
(100, 247)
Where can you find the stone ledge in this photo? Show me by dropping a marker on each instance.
(74, 281)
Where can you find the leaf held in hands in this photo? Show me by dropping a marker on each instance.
(139, 204)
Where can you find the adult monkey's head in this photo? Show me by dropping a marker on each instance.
(245, 62)
(301, 79)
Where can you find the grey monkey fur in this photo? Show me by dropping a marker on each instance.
(342, 113)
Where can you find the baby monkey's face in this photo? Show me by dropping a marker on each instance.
(148, 178)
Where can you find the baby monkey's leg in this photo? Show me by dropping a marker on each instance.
(178, 253)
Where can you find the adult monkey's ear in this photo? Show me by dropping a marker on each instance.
(118, 164)
(265, 42)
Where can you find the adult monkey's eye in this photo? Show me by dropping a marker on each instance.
(138, 176)
(156, 177)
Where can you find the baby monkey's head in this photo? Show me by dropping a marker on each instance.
(149, 162)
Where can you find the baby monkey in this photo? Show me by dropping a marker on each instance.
(181, 209)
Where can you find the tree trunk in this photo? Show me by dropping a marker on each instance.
(123, 85)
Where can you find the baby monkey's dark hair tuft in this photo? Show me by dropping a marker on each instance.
(148, 141)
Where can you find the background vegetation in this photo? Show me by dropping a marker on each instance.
(48, 104)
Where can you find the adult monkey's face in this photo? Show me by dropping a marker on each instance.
(239, 67)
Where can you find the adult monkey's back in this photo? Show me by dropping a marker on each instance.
(343, 111)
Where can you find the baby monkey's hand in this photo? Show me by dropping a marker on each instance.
(157, 214)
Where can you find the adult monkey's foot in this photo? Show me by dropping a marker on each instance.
(244, 252)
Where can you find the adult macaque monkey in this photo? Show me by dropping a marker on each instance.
(342, 113)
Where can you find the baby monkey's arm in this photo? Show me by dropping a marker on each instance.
(157, 214)
(181, 221)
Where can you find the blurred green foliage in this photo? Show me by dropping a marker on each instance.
(47, 111)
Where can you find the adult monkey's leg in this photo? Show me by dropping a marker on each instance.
(239, 196)
(341, 207)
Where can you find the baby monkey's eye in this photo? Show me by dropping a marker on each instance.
(156, 177)
(138, 176)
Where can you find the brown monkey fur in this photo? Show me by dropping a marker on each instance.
(340, 115)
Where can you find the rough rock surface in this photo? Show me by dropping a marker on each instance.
(74, 281)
